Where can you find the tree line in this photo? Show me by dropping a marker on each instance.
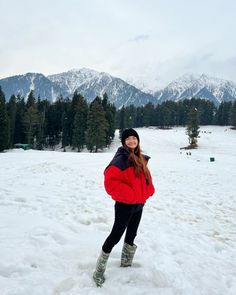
(170, 113)
(74, 123)
(66, 123)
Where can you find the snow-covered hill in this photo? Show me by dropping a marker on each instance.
(198, 86)
(55, 215)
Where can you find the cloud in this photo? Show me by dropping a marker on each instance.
(207, 56)
(232, 60)
(138, 38)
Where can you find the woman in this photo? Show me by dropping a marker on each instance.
(129, 182)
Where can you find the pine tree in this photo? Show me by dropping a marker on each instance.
(165, 116)
(233, 115)
(97, 126)
(4, 123)
(20, 135)
(122, 120)
(71, 115)
(54, 122)
(110, 112)
(80, 124)
(148, 112)
(42, 107)
(65, 130)
(31, 119)
(207, 110)
(223, 113)
(31, 101)
(170, 117)
(182, 113)
(11, 109)
(193, 127)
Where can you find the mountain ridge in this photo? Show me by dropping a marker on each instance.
(91, 83)
(198, 86)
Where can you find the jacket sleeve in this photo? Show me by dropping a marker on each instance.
(116, 187)
(152, 188)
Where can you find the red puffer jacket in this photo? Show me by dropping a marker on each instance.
(122, 184)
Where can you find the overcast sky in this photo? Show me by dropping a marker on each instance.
(153, 41)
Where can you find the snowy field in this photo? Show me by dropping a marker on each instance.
(55, 215)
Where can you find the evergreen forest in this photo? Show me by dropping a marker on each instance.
(76, 124)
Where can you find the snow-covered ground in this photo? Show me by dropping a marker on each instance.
(55, 215)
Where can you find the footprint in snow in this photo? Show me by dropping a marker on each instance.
(65, 286)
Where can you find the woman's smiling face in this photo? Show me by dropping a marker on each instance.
(131, 142)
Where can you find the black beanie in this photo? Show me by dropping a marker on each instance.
(128, 132)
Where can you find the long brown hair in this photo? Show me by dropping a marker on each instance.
(139, 163)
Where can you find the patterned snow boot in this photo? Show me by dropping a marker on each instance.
(127, 255)
(98, 275)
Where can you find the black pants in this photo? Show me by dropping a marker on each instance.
(127, 217)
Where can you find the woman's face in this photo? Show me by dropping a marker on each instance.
(131, 142)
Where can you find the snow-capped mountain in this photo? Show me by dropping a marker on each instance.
(91, 83)
(87, 82)
(23, 84)
(73, 79)
(198, 86)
